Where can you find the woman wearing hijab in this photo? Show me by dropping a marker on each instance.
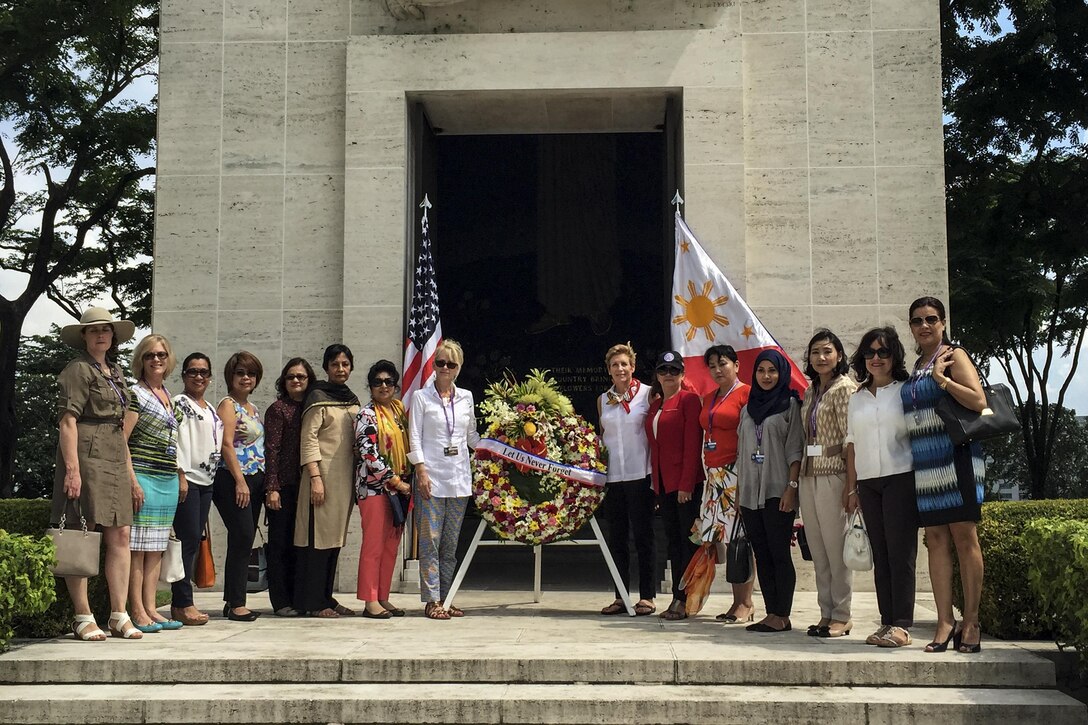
(770, 442)
(326, 494)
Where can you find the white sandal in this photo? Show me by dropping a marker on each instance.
(86, 629)
(118, 628)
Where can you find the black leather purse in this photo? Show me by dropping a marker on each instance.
(964, 425)
(739, 560)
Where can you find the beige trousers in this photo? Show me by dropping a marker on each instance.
(825, 526)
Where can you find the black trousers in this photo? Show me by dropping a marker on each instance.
(771, 533)
(891, 519)
(280, 549)
(241, 526)
(189, 521)
(678, 519)
(629, 510)
(315, 574)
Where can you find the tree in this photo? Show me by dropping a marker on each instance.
(1016, 168)
(1005, 459)
(70, 201)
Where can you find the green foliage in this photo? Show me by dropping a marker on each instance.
(1006, 461)
(1058, 551)
(1009, 608)
(26, 586)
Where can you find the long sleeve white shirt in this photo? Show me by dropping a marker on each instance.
(875, 425)
(434, 426)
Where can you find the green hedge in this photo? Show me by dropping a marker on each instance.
(1009, 607)
(26, 585)
(1058, 551)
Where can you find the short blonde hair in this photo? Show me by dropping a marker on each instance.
(453, 351)
(620, 349)
(143, 346)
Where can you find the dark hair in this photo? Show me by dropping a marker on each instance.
(195, 356)
(721, 351)
(936, 304)
(889, 338)
(242, 359)
(382, 366)
(281, 381)
(331, 353)
(823, 333)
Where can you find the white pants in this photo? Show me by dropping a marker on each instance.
(825, 526)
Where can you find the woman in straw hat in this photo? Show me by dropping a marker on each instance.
(94, 478)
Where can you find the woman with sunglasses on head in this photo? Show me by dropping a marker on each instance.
(441, 429)
(948, 479)
(282, 434)
(879, 475)
(823, 479)
(676, 463)
(770, 446)
(152, 432)
(381, 472)
(326, 494)
(199, 432)
(238, 486)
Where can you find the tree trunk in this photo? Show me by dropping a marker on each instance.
(11, 326)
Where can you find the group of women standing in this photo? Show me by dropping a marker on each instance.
(872, 440)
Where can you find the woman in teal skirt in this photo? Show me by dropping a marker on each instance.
(948, 478)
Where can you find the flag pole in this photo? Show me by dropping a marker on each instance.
(677, 200)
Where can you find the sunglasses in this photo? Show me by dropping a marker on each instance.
(384, 383)
(670, 370)
(197, 373)
(445, 364)
(156, 355)
(883, 353)
(930, 320)
(295, 377)
(244, 374)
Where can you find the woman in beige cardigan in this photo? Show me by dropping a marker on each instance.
(326, 491)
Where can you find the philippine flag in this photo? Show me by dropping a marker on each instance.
(706, 310)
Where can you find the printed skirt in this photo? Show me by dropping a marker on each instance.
(151, 524)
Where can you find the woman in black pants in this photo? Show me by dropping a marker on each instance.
(200, 431)
(239, 482)
(770, 439)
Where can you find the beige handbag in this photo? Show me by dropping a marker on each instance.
(173, 567)
(77, 549)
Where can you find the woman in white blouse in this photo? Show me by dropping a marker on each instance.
(879, 474)
(441, 429)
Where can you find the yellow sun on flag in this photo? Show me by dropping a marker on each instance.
(700, 312)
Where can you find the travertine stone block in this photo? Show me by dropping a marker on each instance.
(258, 332)
(840, 99)
(191, 21)
(775, 124)
(253, 107)
(714, 125)
(772, 16)
(186, 238)
(251, 243)
(723, 14)
(315, 107)
(844, 250)
(576, 15)
(248, 20)
(777, 237)
(306, 333)
(900, 15)
(643, 14)
(376, 332)
(190, 108)
(375, 217)
(375, 130)
(714, 210)
(907, 79)
(188, 331)
(318, 19)
(313, 244)
(792, 326)
(849, 322)
(911, 233)
(837, 14)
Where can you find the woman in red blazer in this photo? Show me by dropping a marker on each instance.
(675, 437)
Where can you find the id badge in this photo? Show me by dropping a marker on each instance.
(814, 450)
(711, 445)
(758, 458)
(171, 451)
(450, 450)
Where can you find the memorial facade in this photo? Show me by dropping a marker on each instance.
(297, 138)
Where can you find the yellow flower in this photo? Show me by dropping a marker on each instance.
(529, 428)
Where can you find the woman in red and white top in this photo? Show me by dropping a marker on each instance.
(719, 419)
(629, 505)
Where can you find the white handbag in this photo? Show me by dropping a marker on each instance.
(173, 568)
(857, 554)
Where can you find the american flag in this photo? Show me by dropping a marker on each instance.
(424, 324)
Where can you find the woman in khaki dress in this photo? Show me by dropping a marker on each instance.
(326, 494)
(94, 478)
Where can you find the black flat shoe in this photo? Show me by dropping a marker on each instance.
(814, 630)
(766, 628)
(384, 614)
(229, 613)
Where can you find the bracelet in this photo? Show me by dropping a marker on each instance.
(853, 493)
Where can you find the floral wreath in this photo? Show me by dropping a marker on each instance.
(553, 496)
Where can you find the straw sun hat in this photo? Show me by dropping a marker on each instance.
(72, 335)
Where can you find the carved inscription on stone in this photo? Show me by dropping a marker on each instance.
(406, 9)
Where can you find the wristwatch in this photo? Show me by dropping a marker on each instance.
(794, 484)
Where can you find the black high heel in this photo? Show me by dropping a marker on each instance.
(936, 646)
(968, 649)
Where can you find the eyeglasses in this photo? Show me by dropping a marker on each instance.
(670, 370)
(160, 355)
(244, 374)
(384, 383)
(882, 353)
(197, 373)
(445, 364)
(930, 320)
(295, 377)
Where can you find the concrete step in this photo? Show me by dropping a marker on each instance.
(511, 703)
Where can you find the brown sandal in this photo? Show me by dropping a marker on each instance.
(344, 611)
(455, 611)
(675, 612)
(613, 608)
(643, 609)
(434, 610)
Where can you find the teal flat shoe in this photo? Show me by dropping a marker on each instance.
(170, 624)
(149, 628)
